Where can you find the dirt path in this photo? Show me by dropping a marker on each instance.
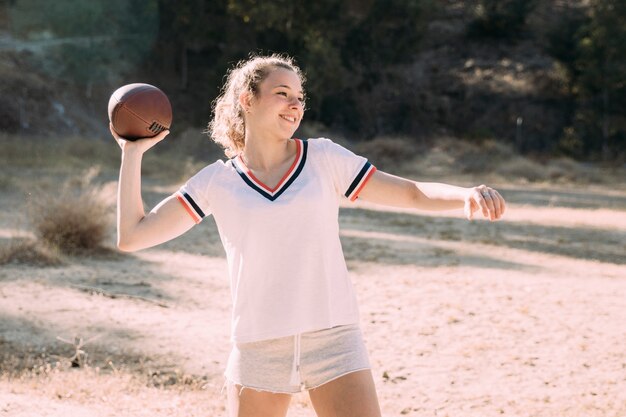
(524, 317)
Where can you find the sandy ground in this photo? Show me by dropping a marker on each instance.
(523, 317)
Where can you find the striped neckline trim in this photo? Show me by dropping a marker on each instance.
(292, 173)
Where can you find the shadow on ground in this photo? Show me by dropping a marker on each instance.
(575, 242)
(584, 199)
(44, 347)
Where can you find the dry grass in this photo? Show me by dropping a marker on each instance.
(67, 356)
(386, 152)
(28, 252)
(64, 155)
(182, 155)
(52, 378)
(174, 159)
(103, 387)
(6, 182)
(77, 218)
(451, 160)
(524, 169)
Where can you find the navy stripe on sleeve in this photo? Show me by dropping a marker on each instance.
(194, 205)
(358, 178)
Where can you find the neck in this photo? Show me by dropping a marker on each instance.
(264, 153)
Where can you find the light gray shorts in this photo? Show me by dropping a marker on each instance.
(304, 361)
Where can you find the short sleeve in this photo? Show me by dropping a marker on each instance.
(350, 171)
(194, 195)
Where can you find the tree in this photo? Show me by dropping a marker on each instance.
(347, 47)
(500, 18)
(602, 80)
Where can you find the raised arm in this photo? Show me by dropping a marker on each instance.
(135, 229)
(390, 190)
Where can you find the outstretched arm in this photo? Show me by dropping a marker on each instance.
(136, 229)
(390, 190)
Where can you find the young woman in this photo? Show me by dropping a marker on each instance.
(275, 202)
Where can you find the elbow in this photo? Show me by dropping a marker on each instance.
(123, 248)
(124, 245)
(416, 196)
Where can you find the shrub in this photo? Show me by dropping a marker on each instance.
(29, 252)
(77, 218)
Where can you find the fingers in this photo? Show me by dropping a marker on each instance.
(485, 202)
(499, 203)
(118, 138)
(113, 132)
(144, 143)
(160, 136)
(489, 207)
(489, 201)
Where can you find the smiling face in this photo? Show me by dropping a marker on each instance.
(277, 106)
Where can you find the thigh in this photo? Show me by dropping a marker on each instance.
(248, 402)
(351, 395)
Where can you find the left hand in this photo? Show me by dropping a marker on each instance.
(486, 199)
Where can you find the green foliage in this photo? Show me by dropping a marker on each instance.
(602, 81)
(386, 34)
(562, 40)
(571, 143)
(591, 44)
(346, 48)
(358, 57)
(500, 18)
(197, 24)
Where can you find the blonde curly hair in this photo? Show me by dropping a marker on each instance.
(227, 128)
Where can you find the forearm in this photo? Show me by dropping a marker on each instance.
(394, 191)
(130, 209)
(438, 196)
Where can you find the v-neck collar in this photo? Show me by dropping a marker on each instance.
(289, 177)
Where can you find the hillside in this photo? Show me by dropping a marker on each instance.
(480, 88)
(456, 80)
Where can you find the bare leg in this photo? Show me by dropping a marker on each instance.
(252, 403)
(352, 395)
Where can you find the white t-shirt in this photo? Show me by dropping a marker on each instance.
(286, 265)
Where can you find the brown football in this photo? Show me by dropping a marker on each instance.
(139, 111)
